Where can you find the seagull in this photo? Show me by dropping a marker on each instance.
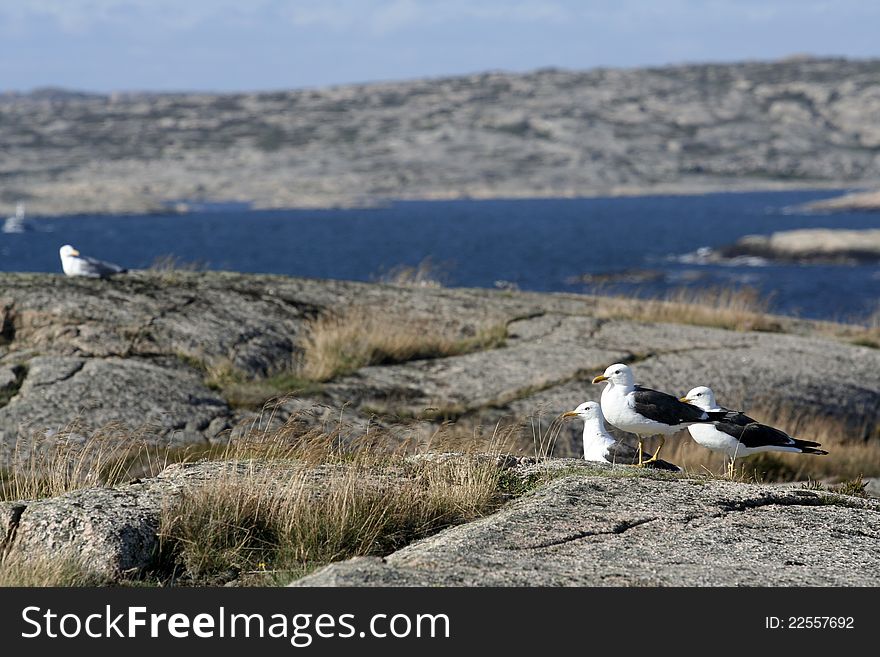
(736, 434)
(643, 411)
(74, 264)
(599, 445)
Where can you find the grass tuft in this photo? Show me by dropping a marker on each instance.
(240, 391)
(738, 309)
(286, 503)
(42, 465)
(41, 571)
(425, 274)
(340, 344)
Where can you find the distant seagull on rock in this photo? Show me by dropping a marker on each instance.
(736, 434)
(643, 411)
(75, 264)
(599, 445)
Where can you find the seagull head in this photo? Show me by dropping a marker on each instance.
(617, 375)
(702, 397)
(68, 251)
(587, 411)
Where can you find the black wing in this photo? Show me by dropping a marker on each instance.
(752, 433)
(100, 268)
(735, 418)
(755, 434)
(665, 408)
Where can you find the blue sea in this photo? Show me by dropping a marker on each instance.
(632, 245)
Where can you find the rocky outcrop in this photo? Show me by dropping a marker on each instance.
(810, 245)
(592, 528)
(804, 123)
(115, 532)
(856, 202)
(573, 523)
(138, 350)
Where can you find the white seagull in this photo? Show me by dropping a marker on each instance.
(643, 411)
(75, 264)
(599, 445)
(736, 434)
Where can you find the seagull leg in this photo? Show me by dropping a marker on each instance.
(640, 463)
(657, 453)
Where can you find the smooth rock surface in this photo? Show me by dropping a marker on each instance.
(594, 530)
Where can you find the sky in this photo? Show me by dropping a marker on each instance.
(232, 45)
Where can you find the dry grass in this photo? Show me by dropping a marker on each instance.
(31, 571)
(171, 263)
(281, 501)
(868, 333)
(287, 503)
(43, 465)
(242, 392)
(425, 274)
(739, 309)
(339, 344)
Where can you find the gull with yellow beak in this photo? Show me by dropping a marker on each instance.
(643, 411)
(736, 434)
(599, 445)
(75, 264)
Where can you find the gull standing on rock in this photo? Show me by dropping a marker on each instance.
(599, 445)
(736, 434)
(75, 264)
(643, 411)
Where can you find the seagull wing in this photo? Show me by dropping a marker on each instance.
(753, 434)
(99, 268)
(665, 408)
(735, 418)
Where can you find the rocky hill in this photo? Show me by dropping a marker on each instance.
(192, 355)
(579, 524)
(182, 358)
(802, 123)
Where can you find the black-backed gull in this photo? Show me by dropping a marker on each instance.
(736, 434)
(643, 411)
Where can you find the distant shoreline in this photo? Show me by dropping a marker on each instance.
(690, 129)
(183, 207)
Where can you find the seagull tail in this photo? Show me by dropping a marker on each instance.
(808, 447)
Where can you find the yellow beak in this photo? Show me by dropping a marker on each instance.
(74, 252)
(686, 400)
(570, 414)
(600, 378)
